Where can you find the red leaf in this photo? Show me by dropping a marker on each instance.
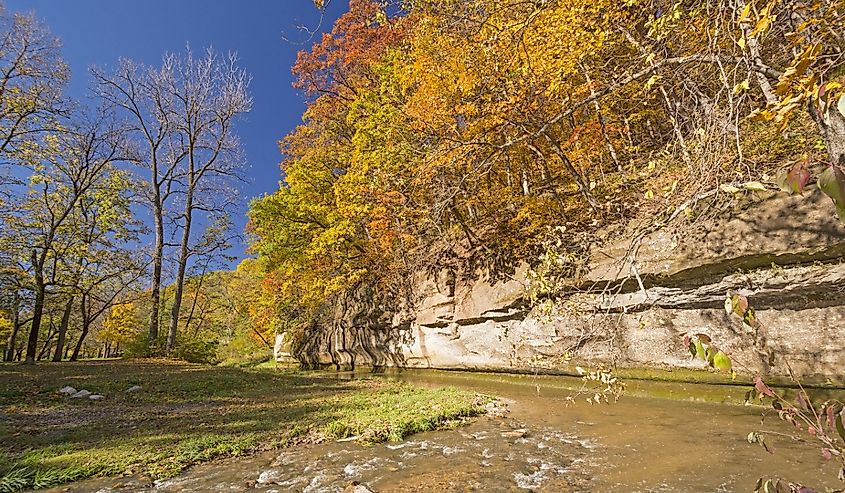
(762, 387)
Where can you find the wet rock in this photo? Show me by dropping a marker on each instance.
(496, 409)
(134, 388)
(81, 394)
(268, 477)
(356, 487)
(518, 433)
(96, 397)
(67, 390)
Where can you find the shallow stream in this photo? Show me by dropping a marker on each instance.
(540, 444)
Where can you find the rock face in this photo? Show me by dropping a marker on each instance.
(782, 252)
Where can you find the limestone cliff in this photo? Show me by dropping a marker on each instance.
(783, 252)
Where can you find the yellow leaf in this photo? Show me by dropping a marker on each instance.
(742, 86)
(728, 188)
(649, 195)
(743, 16)
(755, 185)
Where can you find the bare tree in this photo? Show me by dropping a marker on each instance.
(182, 115)
(139, 94)
(210, 93)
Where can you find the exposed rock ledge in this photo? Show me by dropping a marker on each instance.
(783, 252)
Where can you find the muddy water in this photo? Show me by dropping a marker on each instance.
(541, 444)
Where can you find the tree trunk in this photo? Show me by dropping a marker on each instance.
(47, 347)
(37, 311)
(158, 255)
(9, 354)
(833, 131)
(180, 277)
(60, 341)
(86, 324)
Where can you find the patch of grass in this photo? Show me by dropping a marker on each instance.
(187, 414)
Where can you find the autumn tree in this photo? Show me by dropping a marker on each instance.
(77, 164)
(32, 78)
(478, 129)
(118, 327)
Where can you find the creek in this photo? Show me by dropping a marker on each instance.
(687, 443)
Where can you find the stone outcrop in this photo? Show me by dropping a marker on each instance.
(783, 252)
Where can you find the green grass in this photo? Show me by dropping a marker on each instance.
(187, 414)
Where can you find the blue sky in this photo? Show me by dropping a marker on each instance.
(98, 32)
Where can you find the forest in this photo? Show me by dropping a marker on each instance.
(445, 132)
(435, 132)
(115, 213)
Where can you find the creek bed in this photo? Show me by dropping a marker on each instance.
(540, 444)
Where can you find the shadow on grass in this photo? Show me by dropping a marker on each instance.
(187, 414)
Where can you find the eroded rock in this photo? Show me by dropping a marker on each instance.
(783, 252)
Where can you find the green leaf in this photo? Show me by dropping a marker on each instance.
(832, 183)
(722, 362)
(839, 427)
(700, 351)
(711, 355)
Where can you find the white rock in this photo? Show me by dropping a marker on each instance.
(81, 393)
(134, 388)
(67, 390)
(96, 397)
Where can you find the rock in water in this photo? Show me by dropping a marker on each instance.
(519, 433)
(81, 393)
(67, 390)
(356, 487)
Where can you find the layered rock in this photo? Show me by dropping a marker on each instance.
(639, 298)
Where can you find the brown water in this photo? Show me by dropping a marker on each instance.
(541, 444)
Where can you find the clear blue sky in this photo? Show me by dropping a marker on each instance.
(98, 32)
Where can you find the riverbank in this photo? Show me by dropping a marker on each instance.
(545, 442)
(179, 414)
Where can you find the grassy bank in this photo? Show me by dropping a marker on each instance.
(186, 414)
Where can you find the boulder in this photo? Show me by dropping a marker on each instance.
(356, 487)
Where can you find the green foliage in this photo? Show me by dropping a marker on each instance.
(832, 183)
(196, 350)
(187, 348)
(701, 347)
